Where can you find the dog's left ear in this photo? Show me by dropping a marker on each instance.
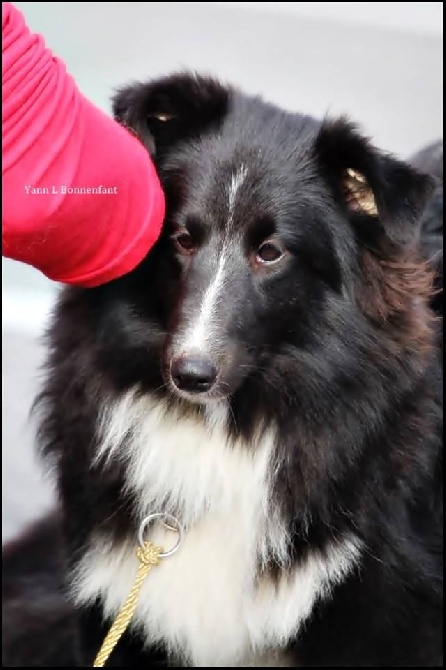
(382, 196)
(170, 109)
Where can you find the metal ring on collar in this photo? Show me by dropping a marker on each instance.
(170, 522)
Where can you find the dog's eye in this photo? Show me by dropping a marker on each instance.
(184, 242)
(269, 252)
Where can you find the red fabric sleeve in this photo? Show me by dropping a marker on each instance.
(56, 142)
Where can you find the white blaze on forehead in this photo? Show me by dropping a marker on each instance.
(237, 180)
(200, 334)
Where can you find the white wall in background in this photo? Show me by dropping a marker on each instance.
(417, 17)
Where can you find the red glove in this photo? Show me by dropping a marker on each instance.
(56, 142)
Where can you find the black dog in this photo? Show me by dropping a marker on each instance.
(270, 375)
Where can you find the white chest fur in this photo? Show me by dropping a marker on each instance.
(205, 602)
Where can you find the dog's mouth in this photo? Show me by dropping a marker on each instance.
(197, 398)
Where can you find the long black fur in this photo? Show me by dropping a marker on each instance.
(341, 348)
(430, 160)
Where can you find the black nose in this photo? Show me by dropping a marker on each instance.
(193, 374)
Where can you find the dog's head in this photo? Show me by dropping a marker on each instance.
(271, 218)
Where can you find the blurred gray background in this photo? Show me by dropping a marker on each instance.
(381, 62)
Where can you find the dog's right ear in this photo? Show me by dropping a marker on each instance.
(166, 111)
(383, 196)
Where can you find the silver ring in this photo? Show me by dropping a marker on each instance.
(173, 525)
